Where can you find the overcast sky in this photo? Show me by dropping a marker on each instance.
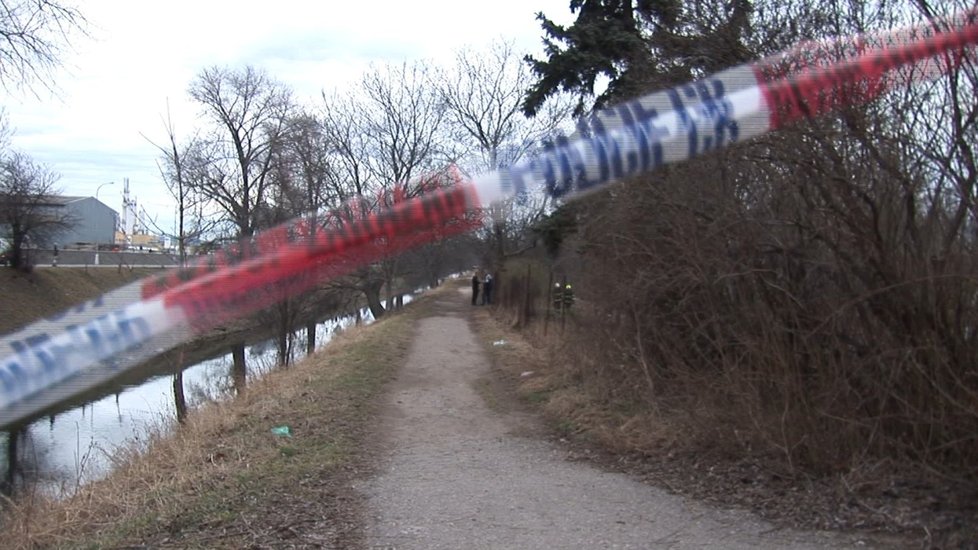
(115, 85)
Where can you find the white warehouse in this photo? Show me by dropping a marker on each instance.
(94, 223)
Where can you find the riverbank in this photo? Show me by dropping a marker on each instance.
(227, 480)
(26, 297)
(249, 472)
(70, 443)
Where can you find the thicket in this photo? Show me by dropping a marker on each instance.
(810, 295)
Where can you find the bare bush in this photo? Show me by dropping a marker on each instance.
(808, 296)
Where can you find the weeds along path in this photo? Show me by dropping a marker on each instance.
(454, 473)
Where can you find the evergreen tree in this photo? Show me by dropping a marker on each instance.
(637, 45)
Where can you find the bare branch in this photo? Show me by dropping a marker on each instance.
(33, 34)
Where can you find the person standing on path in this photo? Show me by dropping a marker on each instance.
(487, 290)
(475, 287)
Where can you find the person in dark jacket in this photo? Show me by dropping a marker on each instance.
(487, 290)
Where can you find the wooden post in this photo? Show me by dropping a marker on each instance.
(550, 288)
(563, 305)
(525, 309)
(7, 488)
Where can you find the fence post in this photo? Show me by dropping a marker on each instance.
(546, 318)
(525, 309)
(563, 305)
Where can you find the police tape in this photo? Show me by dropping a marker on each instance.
(806, 55)
(48, 361)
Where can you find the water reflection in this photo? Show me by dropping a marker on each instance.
(62, 452)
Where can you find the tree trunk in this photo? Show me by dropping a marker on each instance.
(285, 322)
(179, 400)
(499, 251)
(16, 251)
(11, 474)
(310, 338)
(238, 369)
(372, 292)
(282, 345)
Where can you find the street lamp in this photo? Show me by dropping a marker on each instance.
(98, 244)
(97, 189)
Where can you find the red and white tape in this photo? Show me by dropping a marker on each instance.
(55, 359)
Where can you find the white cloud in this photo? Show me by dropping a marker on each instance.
(115, 87)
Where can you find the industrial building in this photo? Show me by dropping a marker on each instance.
(92, 222)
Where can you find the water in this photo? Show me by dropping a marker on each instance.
(63, 452)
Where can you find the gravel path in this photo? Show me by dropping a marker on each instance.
(455, 474)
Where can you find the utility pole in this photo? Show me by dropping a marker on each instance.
(98, 244)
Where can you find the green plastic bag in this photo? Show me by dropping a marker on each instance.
(284, 431)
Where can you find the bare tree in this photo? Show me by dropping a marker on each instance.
(304, 183)
(26, 205)
(6, 132)
(483, 93)
(386, 134)
(177, 165)
(32, 35)
(247, 110)
(305, 176)
(175, 169)
(344, 125)
(354, 182)
(405, 124)
(232, 162)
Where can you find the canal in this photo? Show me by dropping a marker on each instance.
(59, 453)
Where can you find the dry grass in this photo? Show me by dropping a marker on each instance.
(26, 297)
(694, 435)
(540, 370)
(224, 480)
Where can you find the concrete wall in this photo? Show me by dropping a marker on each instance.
(95, 223)
(87, 257)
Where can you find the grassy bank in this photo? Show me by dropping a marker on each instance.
(25, 297)
(224, 479)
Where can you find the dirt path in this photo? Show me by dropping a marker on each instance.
(455, 474)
